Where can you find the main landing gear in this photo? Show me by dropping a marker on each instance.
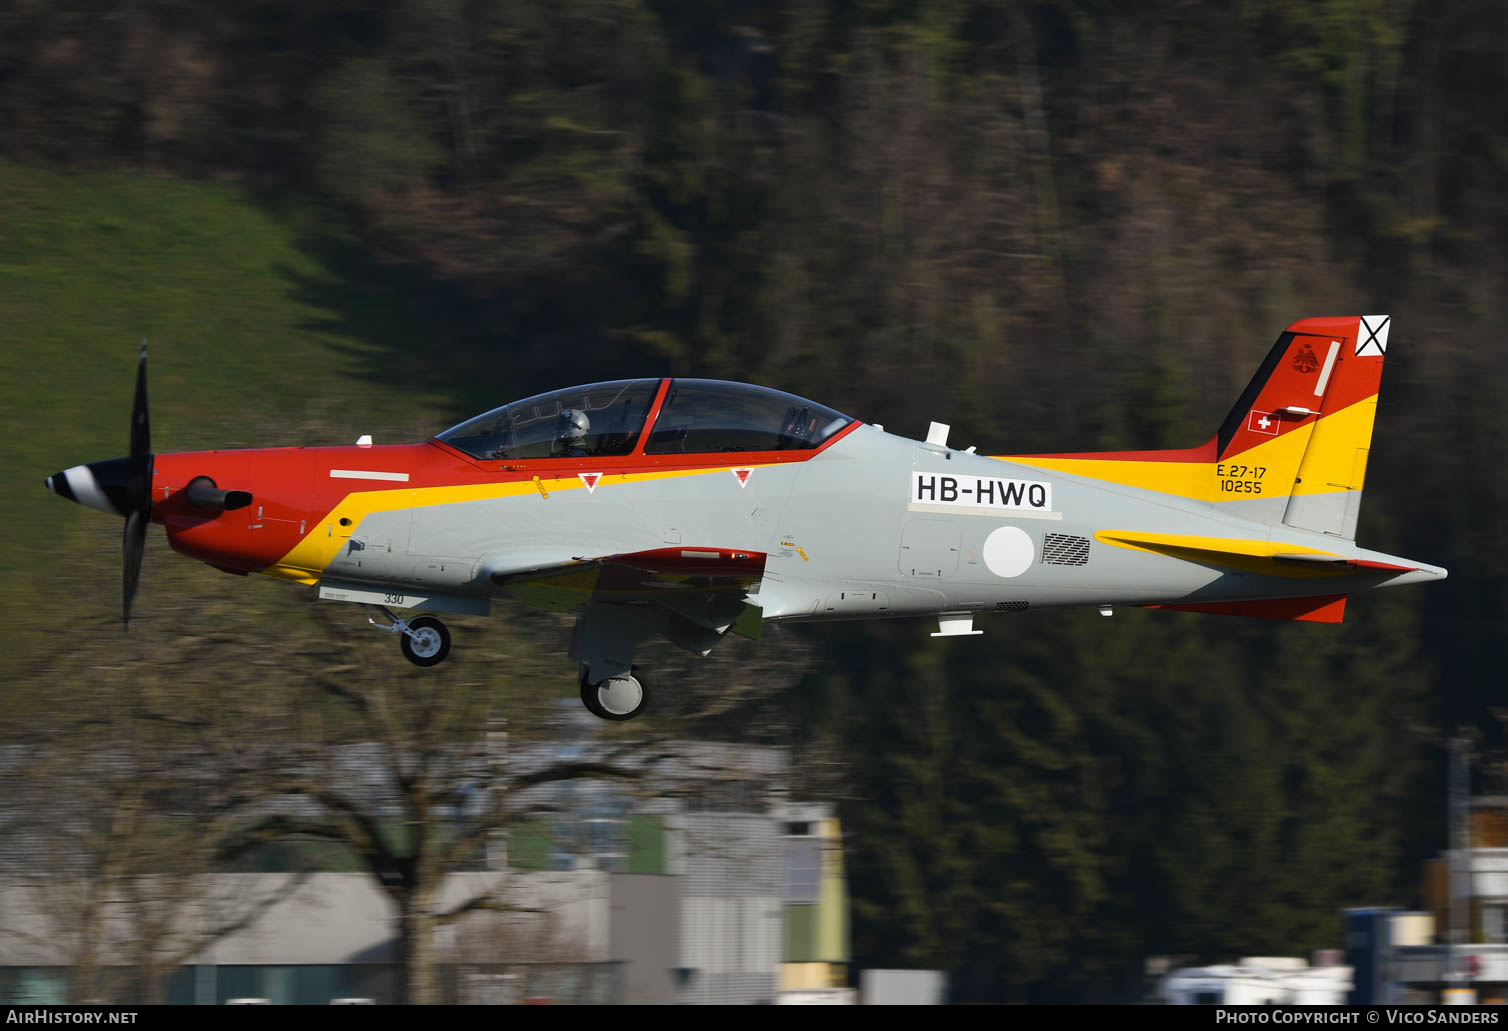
(424, 639)
(616, 698)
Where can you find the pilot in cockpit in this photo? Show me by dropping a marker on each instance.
(571, 429)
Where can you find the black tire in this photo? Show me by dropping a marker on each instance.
(433, 644)
(592, 698)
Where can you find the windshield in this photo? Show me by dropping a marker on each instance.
(578, 422)
(705, 415)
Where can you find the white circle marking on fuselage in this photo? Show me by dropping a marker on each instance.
(1008, 551)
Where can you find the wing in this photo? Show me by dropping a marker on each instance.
(719, 578)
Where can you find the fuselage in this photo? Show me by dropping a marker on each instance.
(868, 525)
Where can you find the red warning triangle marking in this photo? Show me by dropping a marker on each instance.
(590, 479)
(742, 475)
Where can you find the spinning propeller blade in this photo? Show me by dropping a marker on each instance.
(122, 486)
(138, 500)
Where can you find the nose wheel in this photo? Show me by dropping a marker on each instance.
(616, 698)
(424, 640)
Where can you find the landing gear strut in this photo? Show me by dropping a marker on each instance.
(616, 698)
(424, 639)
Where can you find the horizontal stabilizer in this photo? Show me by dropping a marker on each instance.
(1327, 608)
(1347, 564)
(1270, 558)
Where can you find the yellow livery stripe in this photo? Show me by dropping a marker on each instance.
(1184, 479)
(1288, 462)
(320, 545)
(1253, 556)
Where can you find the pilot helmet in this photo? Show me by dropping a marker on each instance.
(572, 426)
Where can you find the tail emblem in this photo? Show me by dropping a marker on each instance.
(1306, 361)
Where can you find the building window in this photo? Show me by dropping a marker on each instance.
(804, 883)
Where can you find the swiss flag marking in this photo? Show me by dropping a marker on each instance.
(590, 479)
(742, 475)
(1262, 422)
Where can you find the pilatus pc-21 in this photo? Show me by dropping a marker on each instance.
(694, 508)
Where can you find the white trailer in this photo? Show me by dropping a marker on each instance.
(1258, 981)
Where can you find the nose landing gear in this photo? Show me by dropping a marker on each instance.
(424, 639)
(615, 698)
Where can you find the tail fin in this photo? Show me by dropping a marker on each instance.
(1302, 429)
(1293, 450)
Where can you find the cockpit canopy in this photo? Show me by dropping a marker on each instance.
(699, 416)
(598, 419)
(703, 416)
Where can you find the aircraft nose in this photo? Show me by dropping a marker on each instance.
(101, 485)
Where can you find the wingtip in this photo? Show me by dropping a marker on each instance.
(1421, 574)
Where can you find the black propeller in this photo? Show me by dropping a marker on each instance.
(137, 503)
(122, 486)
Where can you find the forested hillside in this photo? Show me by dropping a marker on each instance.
(1057, 226)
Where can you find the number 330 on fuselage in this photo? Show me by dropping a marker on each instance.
(694, 508)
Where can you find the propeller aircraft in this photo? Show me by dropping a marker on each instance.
(695, 508)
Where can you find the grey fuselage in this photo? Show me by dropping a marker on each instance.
(862, 529)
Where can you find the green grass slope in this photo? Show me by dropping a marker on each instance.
(256, 336)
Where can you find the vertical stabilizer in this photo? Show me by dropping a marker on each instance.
(1327, 493)
(1294, 448)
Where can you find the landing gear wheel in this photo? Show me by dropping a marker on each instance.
(426, 642)
(615, 698)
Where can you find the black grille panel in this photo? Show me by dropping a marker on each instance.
(1062, 549)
